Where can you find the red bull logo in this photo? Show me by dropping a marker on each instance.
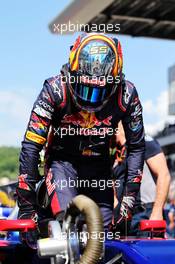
(86, 120)
(37, 125)
(35, 118)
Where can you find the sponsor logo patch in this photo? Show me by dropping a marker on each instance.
(35, 138)
(136, 125)
(89, 152)
(45, 105)
(36, 118)
(86, 120)
(37, 125)
(42, 112)
(56, 89)
(127, 96)
(137, 111)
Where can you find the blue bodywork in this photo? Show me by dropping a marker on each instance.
(142, 251)
(132, 251)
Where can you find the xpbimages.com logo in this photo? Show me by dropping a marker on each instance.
(85, 235)
(77, 27)
(91, 80)
(102, 132)
(101, 184)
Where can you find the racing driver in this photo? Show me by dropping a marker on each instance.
(75, 115)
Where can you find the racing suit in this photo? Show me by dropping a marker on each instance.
(78, 147)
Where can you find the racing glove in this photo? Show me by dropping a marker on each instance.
(123, 221)
(126, 208)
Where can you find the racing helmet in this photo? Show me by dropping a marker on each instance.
(95, 70)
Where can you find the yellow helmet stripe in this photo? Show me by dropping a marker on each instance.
(93, 37)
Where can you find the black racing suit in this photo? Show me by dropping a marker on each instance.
(83, 150)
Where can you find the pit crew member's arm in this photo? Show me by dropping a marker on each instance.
(171, 216)
(158, 167)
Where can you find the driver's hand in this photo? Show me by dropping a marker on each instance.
(30, 238)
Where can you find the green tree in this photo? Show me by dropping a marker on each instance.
(9, 162)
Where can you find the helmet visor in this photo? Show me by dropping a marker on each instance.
(90, 96)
